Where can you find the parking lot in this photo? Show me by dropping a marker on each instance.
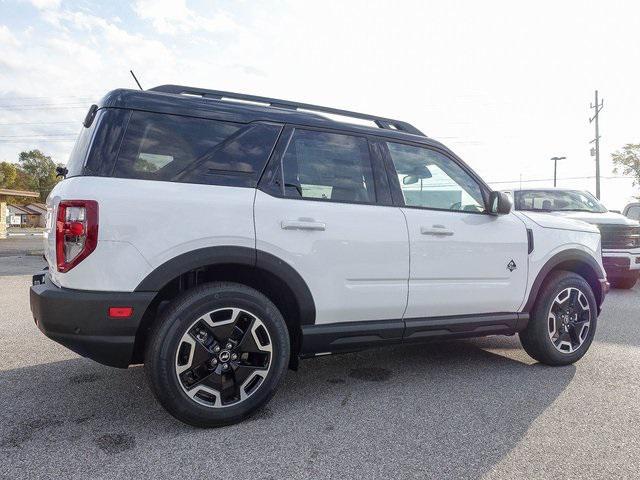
(465, 409)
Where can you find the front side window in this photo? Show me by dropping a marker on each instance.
(429, 179)
(194, 150)
(328, 166)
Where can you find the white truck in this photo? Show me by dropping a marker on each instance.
(620, 234)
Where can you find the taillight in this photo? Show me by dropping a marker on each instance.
(76, 232)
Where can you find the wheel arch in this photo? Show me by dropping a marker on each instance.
(572, 260)
(265, 272)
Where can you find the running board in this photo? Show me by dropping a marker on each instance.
(350, 336)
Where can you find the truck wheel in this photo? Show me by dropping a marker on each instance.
(624, 283)
(563, 320)
(216, 354)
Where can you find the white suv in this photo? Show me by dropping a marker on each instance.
(218, 238)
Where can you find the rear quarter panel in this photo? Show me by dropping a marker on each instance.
(143, 223)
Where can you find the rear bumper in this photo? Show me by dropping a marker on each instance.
(79, 320)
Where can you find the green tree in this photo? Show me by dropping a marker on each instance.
(8, 174)
(627, 161)
(41, 171)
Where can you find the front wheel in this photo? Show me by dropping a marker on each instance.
(563, 321)
(216, 354)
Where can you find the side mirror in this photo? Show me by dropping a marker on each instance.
(499, 203)
(410, 180)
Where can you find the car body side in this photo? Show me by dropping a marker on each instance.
(155, 237)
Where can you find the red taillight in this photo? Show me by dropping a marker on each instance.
(120, 312)
(76, 232)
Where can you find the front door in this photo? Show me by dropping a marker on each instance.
(464, 261)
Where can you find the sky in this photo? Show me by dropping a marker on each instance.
(506, 85)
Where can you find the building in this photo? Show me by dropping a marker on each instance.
(23, 216)
(6, 193)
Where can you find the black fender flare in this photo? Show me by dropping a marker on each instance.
(569, 255)
(232, 255)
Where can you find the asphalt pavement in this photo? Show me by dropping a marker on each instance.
(464, 409)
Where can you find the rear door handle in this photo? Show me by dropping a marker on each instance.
(302, 225)
(437, 230)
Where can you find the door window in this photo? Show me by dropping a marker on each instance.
(328, 166)
(429, 179)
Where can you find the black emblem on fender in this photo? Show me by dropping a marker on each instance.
(511, 266)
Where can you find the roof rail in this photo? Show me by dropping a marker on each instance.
(381, 122)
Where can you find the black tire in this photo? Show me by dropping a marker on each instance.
(624, 283)
(167, 336)
(535, 338)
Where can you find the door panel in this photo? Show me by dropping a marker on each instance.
(463, 261)
(354, 258)
(323, 216)
(466, 270)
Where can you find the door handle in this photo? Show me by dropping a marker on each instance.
(437, 230)
(302, 225)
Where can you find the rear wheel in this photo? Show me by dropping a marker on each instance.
(217, 354)
(563, 321)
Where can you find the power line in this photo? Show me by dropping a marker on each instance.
(43, 107)
(38, 123)
(589, 177)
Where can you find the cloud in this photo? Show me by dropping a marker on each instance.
(7, 38)
(46, 4)
(175, 17)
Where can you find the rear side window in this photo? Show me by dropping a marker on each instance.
(194, 150)
(328, 166)
(79, 152)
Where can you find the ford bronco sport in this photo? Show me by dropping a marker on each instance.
(620, 235)
(218, 238)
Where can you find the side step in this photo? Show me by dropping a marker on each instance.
(351, 336)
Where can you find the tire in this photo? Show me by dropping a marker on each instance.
(624, 283)
(194, 332)
(537, 339)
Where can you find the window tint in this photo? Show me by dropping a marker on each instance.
(328, 166)
(194, 150)
(78, 155)
(431, 180)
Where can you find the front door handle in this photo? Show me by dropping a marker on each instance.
(303, 225)
(437, 230)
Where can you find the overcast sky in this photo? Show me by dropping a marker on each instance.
(507, 85)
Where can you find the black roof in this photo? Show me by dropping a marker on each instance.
(179, 100)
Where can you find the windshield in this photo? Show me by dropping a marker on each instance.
(557, 201)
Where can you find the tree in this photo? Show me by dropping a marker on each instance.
(8, 174)
(41, 170)
(627, 161)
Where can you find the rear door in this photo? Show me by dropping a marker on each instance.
(324, 208)
(463, 260)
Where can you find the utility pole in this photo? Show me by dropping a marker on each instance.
(596, 108)
(555, 168)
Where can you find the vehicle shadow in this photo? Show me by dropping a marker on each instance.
(442, 410)
(619, 322)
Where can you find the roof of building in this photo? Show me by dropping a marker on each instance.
(23, 210)
(41, 207)
(18, 193)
